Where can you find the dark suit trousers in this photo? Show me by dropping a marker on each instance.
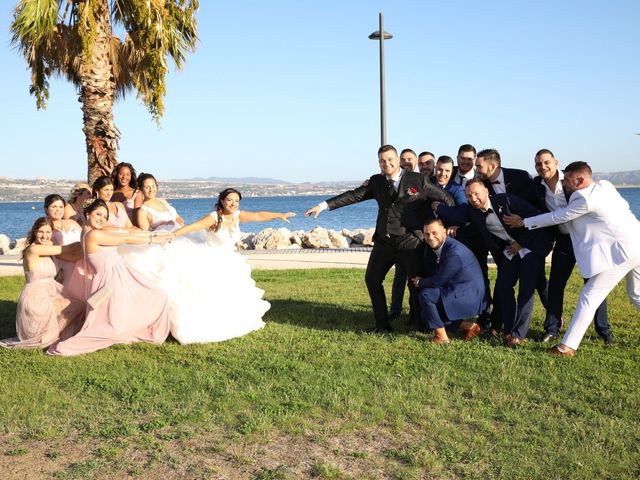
(384, 255)
(542, 287)
(562, 262)
(516, 316)
(397, 291)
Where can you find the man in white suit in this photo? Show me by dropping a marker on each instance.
(604, 233)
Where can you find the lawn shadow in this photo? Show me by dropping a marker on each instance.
(7, 318)
(325, 316)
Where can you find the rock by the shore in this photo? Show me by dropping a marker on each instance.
(338, 240)
(362, 236)
(317, 238)
(270, 239)
(5, 243)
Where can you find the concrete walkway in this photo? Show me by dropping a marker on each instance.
(259, 259)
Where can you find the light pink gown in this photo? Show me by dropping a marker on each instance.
(129, 206)
(72, 272)
(137, 310)
(44, 314)
(119, 219)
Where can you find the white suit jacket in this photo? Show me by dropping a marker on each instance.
(604, 232)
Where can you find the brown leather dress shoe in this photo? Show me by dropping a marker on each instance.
(440, 336)
(472, 332)
(566, 352)
(439, 340)
(513, 342)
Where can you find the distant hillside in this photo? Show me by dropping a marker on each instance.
(244, 180)
(630, 178)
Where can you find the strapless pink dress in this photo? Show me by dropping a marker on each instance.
(136, 311)
(44, 315)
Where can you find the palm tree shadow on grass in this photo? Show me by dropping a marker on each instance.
(324, 316)
(7, 318)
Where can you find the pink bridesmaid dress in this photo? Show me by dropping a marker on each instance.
(136, 311)
(119, 219)
(44, 314)
(72, 272)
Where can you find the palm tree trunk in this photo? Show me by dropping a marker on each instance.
(97, 94)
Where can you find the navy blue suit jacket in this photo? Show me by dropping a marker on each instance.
(538, 241)
(458, 276)
(457, 192)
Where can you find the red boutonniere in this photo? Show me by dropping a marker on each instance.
(412, 191)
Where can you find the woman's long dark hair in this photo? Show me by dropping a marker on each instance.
(146, 176)
(223, 194)
(31, 235)
(133, 182)
(54, 197)
(102, 182)
(97, 203)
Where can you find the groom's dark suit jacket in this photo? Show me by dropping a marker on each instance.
(401, 213)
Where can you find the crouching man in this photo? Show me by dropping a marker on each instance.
(453, 289)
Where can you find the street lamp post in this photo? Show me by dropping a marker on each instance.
(383, 115)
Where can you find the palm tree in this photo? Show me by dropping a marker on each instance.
(75, 39)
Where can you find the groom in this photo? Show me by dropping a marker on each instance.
(403, 204)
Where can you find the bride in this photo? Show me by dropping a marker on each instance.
(213, 295)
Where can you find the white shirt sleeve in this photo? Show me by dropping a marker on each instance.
(323, 206)
(577, 207)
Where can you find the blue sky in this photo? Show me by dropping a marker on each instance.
(289, 90)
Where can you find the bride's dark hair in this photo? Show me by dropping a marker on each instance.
(223, 194)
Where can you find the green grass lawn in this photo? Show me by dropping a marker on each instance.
(313, 396)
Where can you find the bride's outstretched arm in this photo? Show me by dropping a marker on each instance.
(202, 224)
(264, 216)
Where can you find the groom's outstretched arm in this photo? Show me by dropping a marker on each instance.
(347, 198)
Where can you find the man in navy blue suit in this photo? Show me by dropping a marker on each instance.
(443, 173)
(519, 257)
(453, 289)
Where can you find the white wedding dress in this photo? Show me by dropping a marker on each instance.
(213, 295)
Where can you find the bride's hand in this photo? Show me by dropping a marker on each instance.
(285, 216)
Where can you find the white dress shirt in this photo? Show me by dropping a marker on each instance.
(555, 200)
(494, 226)
(462, 178)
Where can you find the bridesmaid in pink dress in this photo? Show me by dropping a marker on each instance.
(44, 315)
(126, 189)
(80, 193)
(103, 189)
(65, 232)
(130, 307)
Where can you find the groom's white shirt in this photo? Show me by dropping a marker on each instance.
(604, 232)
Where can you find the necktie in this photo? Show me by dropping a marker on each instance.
(390, 184)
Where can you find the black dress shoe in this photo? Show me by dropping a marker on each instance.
(380, 330)
(608, 340)
(547, 337)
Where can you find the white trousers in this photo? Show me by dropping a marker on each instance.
(593, 294)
